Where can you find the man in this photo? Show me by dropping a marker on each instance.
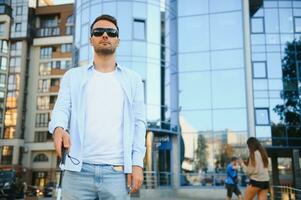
(232, 179)
(99, 117)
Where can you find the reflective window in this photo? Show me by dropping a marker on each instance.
(286, 20)
(190, 121)
(224, 59)
(259, 70)
(18, 27)
(275, 84)
(193, 34)
(271, 21)
(260, 84)
(222, 120)
(297, 24)
(199, 7)
(85, 15)
(139, 9)
(228, 89)
(274, 65)
(194, 61)
(262, 116)
(217, 6)
(85, 34)
(139, 29)
(263, 131)
(226, 30)
(258, 39)
(257, 25)
(270, 4)
(193, 88)
(19, 10)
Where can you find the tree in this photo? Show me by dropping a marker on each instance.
(289, 111)
(201, 153)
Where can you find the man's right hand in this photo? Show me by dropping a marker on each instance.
(61, 138)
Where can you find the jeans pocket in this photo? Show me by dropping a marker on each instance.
(117, 168)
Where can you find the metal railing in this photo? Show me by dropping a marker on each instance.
(153, 180)
(283, 192)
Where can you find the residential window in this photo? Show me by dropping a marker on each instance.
(42, 136)
(7, 155)
(66, 48)
(11, 101)
(40, 158)
(19, 10)
(15, 65)
(43, 103)
(45, 52)
(55, 82)
(297, 23)
(259, 70)
(2, 80)
(1, 28)
(3, 63)
(14, 82)
(9, 131)
(2, 9)
(42, 119)
(257, 25)
(18, 27)
(49, 22)
(262, 116)
(3, 46)
(45, 68)
(139, 29)
(69, 25)
(43, 85)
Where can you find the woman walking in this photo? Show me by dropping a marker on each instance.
(256, 167)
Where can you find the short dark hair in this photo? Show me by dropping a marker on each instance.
(105, 17)
(234, 159)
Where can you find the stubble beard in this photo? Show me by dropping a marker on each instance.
(104, 51)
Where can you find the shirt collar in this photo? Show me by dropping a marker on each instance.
(90, 66)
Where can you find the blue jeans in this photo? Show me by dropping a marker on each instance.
(95, 181)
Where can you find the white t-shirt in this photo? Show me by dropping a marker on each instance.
(103, 140)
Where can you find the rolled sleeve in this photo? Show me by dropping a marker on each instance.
(139, 148)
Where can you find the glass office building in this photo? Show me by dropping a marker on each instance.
(213, 76)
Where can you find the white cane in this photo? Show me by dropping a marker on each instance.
(62, 166)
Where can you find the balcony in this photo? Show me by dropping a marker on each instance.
(54, 88)
(48, 32)
(58, 71)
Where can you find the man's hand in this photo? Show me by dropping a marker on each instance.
(135, 179)
(61, 138)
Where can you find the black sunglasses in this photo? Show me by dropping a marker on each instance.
(111, 32)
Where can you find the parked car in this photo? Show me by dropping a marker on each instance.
(11, 185)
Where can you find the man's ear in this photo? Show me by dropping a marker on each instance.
(90, 40)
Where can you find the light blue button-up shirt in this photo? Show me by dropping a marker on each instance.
(70, 113)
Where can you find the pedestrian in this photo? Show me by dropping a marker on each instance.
(256, 168)
(231, 181)
(99, 116)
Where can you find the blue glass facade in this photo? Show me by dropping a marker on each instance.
(200, 80)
